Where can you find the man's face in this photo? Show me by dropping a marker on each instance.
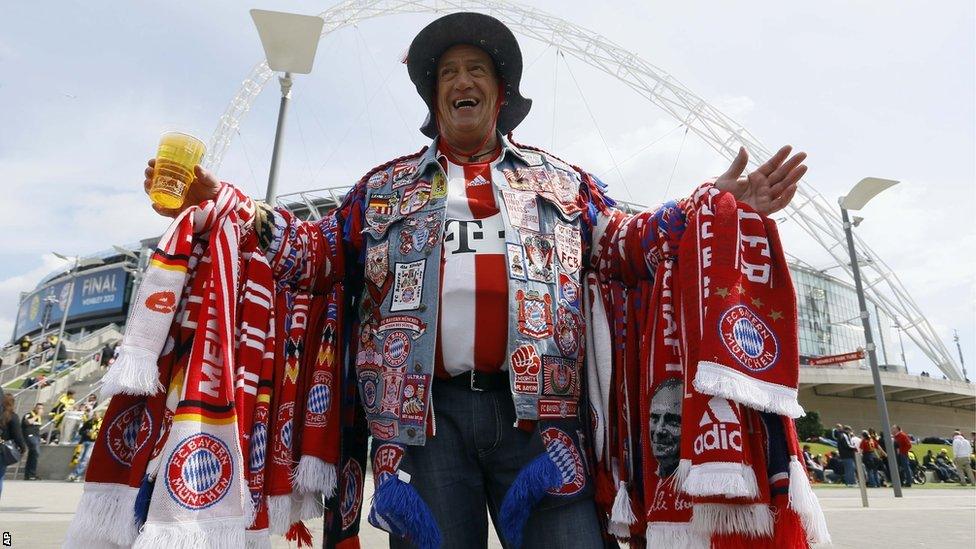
(666, 428)
(467, 90)
(39, 409)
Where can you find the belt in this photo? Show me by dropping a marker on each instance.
(479, 381)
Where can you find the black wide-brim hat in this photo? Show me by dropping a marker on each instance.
(481, 31)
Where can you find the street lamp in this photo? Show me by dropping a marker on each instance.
(857, 198)
(78, 262)
(290, 41)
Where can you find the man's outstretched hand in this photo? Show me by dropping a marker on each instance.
(204, 187)
(771, 187)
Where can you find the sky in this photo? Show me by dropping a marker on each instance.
(866, 88)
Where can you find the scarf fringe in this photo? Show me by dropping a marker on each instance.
(257, 539)
(312, 506)
(734, 480)
(315, 475)
(675, 535)
(100, 518)
(528, 489)
(134, 372)
(399, 509)
(755, 520)
(279, 514)
(214, 534)
(718, 380)
(621, 514)
(299, 533)
(805, 503)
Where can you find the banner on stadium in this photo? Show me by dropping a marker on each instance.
(837, 359)
(98, 292)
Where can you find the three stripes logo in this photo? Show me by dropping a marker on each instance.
(719, 428)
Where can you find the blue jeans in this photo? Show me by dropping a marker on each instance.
(904, 470)
(465, 470)
(849, 478)
(86, 450)
(3, 471)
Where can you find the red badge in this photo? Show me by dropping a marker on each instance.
(384, 429)
(560, 377)
(199, 472)
(123, 434)
(396, 348)
(161, 302)
(748, 338)
(526, 364)
(386, 461)
(569, 332)
(414, 399)
(350, 492)
(534, 314)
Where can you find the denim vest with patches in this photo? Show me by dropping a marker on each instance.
(404, 226)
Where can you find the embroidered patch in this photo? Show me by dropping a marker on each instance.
(560, 376)
(411, 324)
(199, 472)
(368, 356)
(368, 387)
(351, 492)
(750, 341)
(414, 398)
(569, 247)
(569, 331)
(534, 314)
(378, 179)
(415, 197)
(386, 461)
(384, 429)
(408, 285)
(123, 434)
(378, 263)
(522, 208)
(564, 454)
(396, 348)
(520, 179)
(538, 256)
(526, 364)
(569, 291)
(319, 399)
(380, 211)
(402, 174)
(392, 387)
(516, 260)
(259, 443)
(557, 408)
(438, 186)
(281, 450)
(531, 158)
(420, 235)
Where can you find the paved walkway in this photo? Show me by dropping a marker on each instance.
(36, 514)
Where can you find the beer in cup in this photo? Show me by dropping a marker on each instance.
(178, 153)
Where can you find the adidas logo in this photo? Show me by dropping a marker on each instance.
(724, 433)
(478, 181)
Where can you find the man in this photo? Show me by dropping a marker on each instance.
(474, 234)
(66, 403)
(961, 452)
(835, 468)
(106, 356)
(813, 467)
(666, 426)
(25, 347)
(947, 471)
(845, 450)
(31, 427)
(88, 433)
(902, 445)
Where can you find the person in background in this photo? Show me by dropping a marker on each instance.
(846, 449)
(25, 347)
(962, 451)
(855, 440)
(65, 403)
(869, 449)
(813, 467)
(108, 351)
(89, 405)
(902, 445)
(835, 467)
(10, 430)
(31, 427)
(944, 464)
(88, 432)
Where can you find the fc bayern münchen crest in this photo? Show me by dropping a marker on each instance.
(198, 473)
(569, 331)
(749, 340)
(563, 453)
(351, 492)
(534, 314)
(123, 433)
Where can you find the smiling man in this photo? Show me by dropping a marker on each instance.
(469, 262)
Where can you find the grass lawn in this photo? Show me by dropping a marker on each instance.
(919, 449)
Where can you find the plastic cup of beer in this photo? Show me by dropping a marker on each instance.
(178, 153)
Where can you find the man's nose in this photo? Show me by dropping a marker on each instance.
(463, 81)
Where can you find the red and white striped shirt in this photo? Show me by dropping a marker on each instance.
(474, 277)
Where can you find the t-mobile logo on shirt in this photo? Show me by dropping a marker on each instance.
(483, 236)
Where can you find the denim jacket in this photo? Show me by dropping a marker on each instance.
(558, 226)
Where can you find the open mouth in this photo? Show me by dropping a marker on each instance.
(465, 103)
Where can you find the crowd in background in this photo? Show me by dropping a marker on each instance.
(840, 466)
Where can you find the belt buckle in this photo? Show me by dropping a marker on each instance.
(472, 384)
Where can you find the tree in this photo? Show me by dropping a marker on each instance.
(809, 426)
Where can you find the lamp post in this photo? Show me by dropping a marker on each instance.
(290, 41)
(857, 198)
(78, 262)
